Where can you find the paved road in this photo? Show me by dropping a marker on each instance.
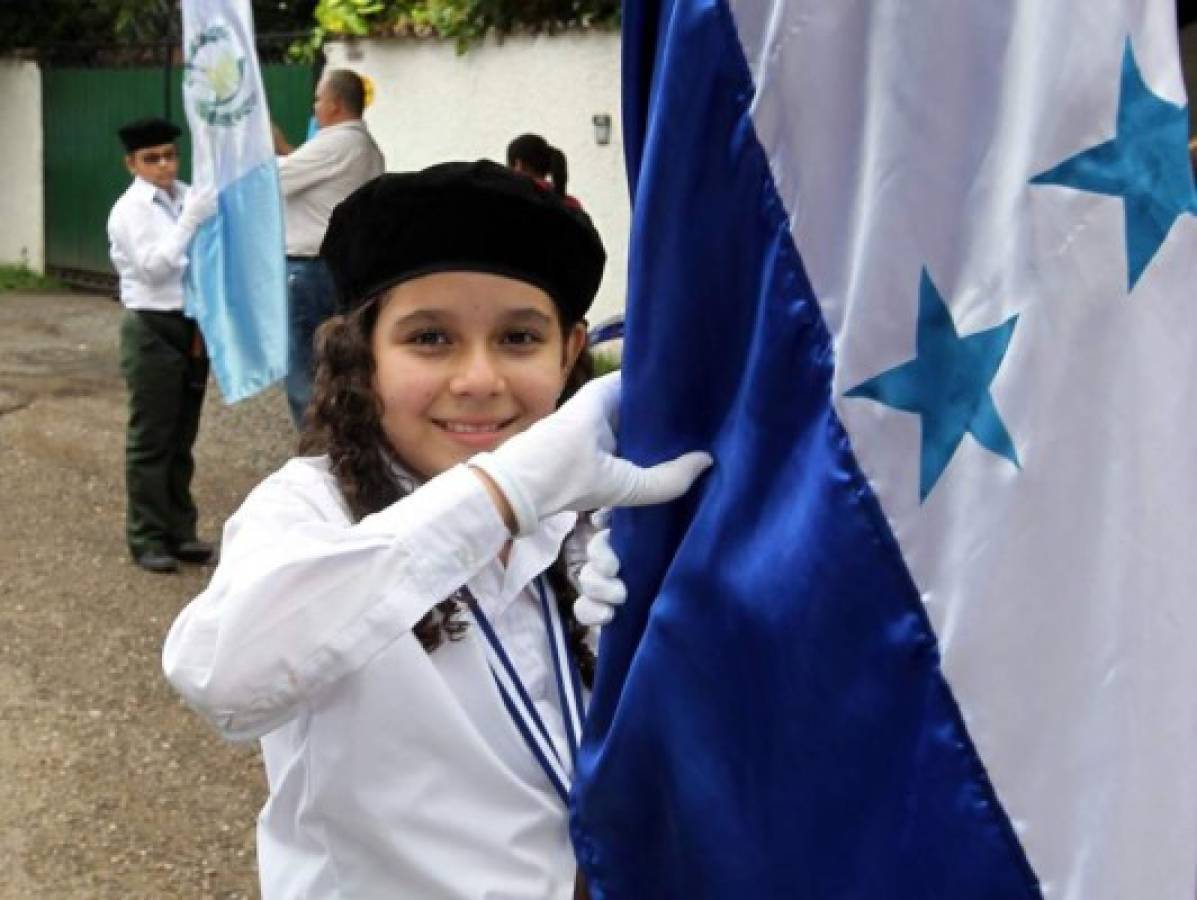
(109, 786)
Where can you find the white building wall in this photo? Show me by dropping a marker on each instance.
(432, 105)
(22, 216)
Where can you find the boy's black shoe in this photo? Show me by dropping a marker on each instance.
(157, 562)
(198, 552)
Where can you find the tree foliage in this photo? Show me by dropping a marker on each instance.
(467, 21)
(43, 26)
(47, 27)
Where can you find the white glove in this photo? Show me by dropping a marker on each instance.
(566, 461)
(602, 588)
(198, 206)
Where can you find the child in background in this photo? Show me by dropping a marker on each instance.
(391, 617)
(545, 164)
(162, 353)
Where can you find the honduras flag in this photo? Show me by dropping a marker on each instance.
(921, 275)
(236, 283)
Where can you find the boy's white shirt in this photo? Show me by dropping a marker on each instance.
(148, 247)
(392, 771)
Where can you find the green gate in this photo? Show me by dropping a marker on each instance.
(84, 163)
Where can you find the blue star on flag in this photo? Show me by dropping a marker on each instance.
(1146, 164)
(947, 384)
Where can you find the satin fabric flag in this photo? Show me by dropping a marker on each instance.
(921, 277)
(236, 284)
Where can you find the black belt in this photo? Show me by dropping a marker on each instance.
(291, 258)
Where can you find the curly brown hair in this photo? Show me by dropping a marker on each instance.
(344, 421)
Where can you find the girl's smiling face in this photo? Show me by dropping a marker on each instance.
(464, 360)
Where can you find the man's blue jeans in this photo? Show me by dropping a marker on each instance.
(310, 300)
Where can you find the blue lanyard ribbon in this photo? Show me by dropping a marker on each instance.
(519, 704)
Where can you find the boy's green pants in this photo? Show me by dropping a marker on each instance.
(166, 371)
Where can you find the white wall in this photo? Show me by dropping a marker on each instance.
(432, 105)
(22, 217)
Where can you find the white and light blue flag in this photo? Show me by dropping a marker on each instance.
(923, 277)
(236, 283)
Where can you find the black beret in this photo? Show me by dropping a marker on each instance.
(462, 217)
(147, 133)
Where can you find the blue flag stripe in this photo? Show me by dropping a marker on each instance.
(715, 763)
(236, 285)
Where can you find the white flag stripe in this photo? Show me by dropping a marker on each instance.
(223, 78)
(904, 137)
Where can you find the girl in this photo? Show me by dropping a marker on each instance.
(388, 617)
(544, 163)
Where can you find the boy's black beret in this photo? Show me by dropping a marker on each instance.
(462, 216)
(147, 133)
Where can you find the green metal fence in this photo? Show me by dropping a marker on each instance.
(84, 162)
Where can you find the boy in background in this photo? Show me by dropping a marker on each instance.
(161, 350)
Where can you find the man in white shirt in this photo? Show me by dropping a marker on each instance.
(162, 352)
(315, 177)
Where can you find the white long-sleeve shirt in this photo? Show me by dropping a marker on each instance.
(148, 246)
(393, 772)
(319, 174)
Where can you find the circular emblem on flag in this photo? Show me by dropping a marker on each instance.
(214, 77)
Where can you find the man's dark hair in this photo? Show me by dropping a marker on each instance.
(348, 88)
